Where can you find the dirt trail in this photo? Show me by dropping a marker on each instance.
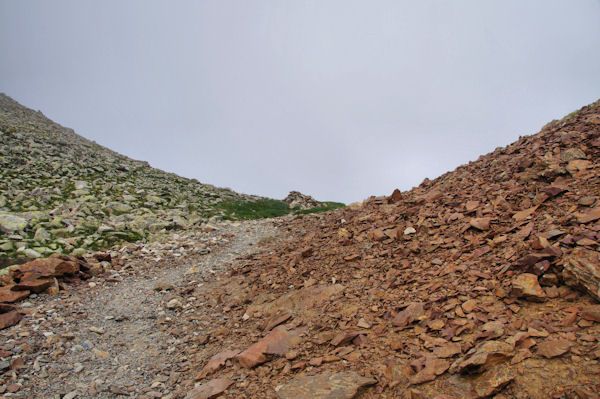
(109, 337)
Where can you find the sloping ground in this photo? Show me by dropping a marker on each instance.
(480, 283)
(60, 192)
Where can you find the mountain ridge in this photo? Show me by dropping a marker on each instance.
(77, 195)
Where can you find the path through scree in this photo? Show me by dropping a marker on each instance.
(107, 338)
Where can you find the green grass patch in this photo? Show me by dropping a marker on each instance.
(329, 205)
(263, 208)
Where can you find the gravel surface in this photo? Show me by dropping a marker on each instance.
(109, 337)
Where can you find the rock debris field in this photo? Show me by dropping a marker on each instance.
(115, 334)
(481, 283)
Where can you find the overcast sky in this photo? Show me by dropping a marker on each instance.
(338, 99)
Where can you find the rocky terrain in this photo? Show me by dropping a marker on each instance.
(484, 282)
(61, 193)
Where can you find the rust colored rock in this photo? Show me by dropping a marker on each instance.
(306, 252)
(448, 350)
(210, 390)
(524, 214)
(277, 342)
(553, 348)
(9, 319)
(480, 223)
(34, 285)
(47, 267)
(7, 295)
(592, 215)
(493, 381)
(591, 313)
(485, 385)
(433, 368)
(298, 300)
(277, 319)
(378, 235)
(583, 267)
(395, 197)
(482, 357)
(526, 286)
(413, 312)
(216, 362)
(344, 338)
(325, 386)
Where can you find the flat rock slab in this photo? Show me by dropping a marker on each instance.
(211, 389)
(9, 296)
(325, 386)
(9, 319)
(584, 266)
(277, 342)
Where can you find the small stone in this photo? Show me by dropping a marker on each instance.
(409, 230)
(10, 223)
(324, 386)
(591, 313)
(526, 285)
(480, 223)
(554, 348)
(163, 285)
(277, 342)
(9, 319)
(362, 323)
(216, 362)
(102, 354)
(208, 228)
(209, 390)
(413, 312)
(174, 304)
(344, 338)
(96, 330)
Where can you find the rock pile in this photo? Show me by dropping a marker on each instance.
(41, 275)
(61, 193)
(298, 200)
(480, 283)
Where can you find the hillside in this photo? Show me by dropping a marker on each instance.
(483, 282)
(60, 192)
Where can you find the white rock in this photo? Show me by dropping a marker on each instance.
(409, 230)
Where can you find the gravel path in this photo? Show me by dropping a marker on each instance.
(108, 337)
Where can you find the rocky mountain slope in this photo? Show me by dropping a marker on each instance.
(484, 282)
(481, 283)
(61, 193)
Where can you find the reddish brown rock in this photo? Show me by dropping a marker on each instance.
(9, 319)
(34, 285)
(591, 313)
(433, 368)
(448, 350)
(216, 362)
(590, 216)
(7, 295)
(482, 357)
(324, 386)
(526, 286)
(47, 267)
(583, 270)
(413, 312)
(277, 342)
(480, 223)
(277, 319)
(344, 338)
(486, 385)
(524, 214)
(210, 390)
(553, 348)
